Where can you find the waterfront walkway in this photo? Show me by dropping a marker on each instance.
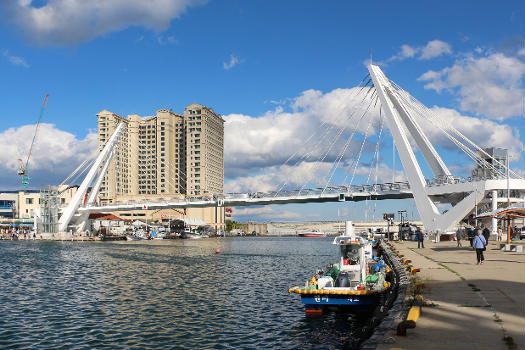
(470, 306)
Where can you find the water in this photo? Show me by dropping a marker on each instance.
(170, 294)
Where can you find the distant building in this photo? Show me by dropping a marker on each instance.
(497, 161)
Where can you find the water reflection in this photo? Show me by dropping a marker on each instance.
(169, 294)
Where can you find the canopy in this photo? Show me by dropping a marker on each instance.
(516, 210)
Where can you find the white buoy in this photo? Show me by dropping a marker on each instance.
(349, 230)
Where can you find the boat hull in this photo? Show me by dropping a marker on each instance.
(318, 301)
(311, 235)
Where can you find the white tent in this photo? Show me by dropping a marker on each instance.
(192, 222)
(138, 223)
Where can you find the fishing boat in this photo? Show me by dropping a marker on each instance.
(313, 233)
(193, 234)
(356, 281)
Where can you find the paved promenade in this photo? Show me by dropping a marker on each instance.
(476, 306)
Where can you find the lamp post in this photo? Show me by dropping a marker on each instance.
(508, 201)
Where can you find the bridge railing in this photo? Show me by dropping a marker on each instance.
(319, 191)
(447, 180)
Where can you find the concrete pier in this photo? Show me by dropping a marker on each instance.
(470, 306)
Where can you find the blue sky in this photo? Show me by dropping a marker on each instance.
(260, 64)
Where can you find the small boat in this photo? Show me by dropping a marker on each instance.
(193, 234)
(313, 233)
(356, 281)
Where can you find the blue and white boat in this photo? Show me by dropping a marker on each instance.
(357, 280)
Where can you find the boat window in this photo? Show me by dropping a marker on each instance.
(351, 253)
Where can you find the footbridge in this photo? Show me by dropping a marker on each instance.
(408, 121)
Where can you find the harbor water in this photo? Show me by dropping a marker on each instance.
(166, 294)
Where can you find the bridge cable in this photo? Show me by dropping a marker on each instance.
(341, 131)
(327, 130)
(424, 112)
(338, 161)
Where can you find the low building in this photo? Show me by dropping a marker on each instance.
(108, 224)
(22, 204)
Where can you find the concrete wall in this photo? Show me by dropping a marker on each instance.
(329, 227)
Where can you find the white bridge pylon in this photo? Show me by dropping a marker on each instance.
(399, 120)
(71, 215)
(462, 194)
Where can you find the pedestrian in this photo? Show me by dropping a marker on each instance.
(486, 233)
(471, 235)
(420, 237)
(479, 245)
(459, 235)
(500, 234)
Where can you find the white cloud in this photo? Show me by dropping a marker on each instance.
(483, 132)
(55, 154)
(435, 48)
(15, 60)
(432, 49)
(407, 51)
(233, 62)
(489, 85)
(66, 22)
(254, 143)
(274, 177)
(169, 40)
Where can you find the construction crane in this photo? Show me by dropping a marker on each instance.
(24, 168)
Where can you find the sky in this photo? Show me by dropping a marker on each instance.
(285, 76)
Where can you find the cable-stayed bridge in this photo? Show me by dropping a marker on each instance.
(408, 121)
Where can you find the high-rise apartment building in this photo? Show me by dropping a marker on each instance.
(165, 155)
(204, 150)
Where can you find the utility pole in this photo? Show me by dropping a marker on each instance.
(508, 200)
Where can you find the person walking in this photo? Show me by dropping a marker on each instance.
(478, 244)
(459, 235)
(420, 237)
(486, 233)
(500, 234)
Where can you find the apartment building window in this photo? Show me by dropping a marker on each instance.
(29, 200)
